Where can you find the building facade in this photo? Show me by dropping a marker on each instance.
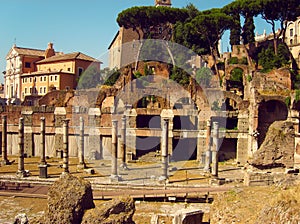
(18, 61)
(293, 39)
(32, 72)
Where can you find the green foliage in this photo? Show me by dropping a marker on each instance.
(249, 78)
(243, 61)
(137, 74)
(144, 17)
(112, 77)
(90, 78)
(233, 60)
(268, 60)
(248, 30)
(297, 95)
(215, 106)
(180, 76)
(236, 75)
(202, 33)
(288, 101)
(147, 70)
(204, 76)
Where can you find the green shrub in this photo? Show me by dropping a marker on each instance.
(204, 76)
(233, 61)
(112, 78)
(237, 75)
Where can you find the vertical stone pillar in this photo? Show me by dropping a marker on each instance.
(242, 153)
(131, 115)
(81, 144)
(60, 114)
(94, 149)
(114, 151)
(215, 149)
(167, 114)
(164, 149)
(65, 146)
(43, 148)
(208, 149)
(43, 163)
(4, 141)
(123, 143)
(28, 133)
(21, 171)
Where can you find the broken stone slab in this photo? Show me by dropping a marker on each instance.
(119, 210)
(68, 198)
(277, 149)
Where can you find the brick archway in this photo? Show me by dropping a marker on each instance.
(230, 68)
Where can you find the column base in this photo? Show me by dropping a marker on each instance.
(115, 178)
(5, 162)
(81, 166)
(124, 166)
(162, 179)
(22, 173)
(216, 181)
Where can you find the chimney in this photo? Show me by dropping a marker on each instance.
(49, 51)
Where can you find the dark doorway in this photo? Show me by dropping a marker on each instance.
(268, 112)
(228, 149)
(184, 149)
(148, 121)
(144, 145)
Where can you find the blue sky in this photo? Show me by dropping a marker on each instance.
(87, 26)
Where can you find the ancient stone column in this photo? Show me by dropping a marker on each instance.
(81, 143)
(21, 171)
(208, 149)
(65, 146)
(43, 163)
(43, 146)
(164, 149)
(4, 141)
(215, 149)
(114, 149)
(123, 143)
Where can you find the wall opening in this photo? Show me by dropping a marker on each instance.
(145, 145)
(184, 149)
(268, 112)
(184, 122)
(228, 149)
(148, 121)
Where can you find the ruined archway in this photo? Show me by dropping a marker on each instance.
(268, 112)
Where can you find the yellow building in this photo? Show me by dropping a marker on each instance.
(58, 72)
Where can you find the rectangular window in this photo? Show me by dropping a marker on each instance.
(45, 78)
(55, 78)
(25, 90)
(30, 90)
(27, 64)
(41, 79)
(30, 80)
(80, 71)
(44, 89)
(51, 78)
(291, 32)
(41, 89)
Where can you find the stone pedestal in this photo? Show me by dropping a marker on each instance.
(43, 171)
